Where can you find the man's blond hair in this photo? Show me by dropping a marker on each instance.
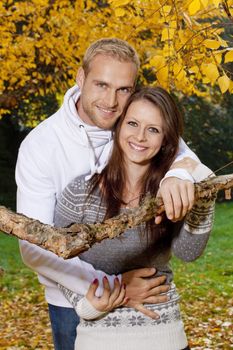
(116, 48)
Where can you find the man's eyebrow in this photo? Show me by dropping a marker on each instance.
(126, 87)
(100, 81)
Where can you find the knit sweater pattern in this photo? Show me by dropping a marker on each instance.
(129, 251)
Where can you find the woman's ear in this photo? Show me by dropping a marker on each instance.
(80, 78)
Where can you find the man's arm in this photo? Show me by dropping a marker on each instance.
(36, 198)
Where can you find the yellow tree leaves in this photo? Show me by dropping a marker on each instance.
(224, 83)
(229, 56)
(194, 7)
(180, 42)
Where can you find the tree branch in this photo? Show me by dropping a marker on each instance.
(71, 241)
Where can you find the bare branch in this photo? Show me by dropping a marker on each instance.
(71, 241)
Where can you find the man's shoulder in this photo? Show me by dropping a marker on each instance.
(45, 131)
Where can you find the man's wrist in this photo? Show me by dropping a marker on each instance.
(179, 173)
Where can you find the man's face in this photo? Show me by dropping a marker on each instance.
(105, 90)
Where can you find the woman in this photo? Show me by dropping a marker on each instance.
(145, 144)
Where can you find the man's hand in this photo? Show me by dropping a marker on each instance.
(141, 289)
(178, 198)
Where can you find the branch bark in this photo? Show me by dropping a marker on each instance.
(71, 241)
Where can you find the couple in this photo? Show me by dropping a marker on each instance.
(77, 140)
(145, 144)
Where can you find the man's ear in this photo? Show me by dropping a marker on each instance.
(80, 78)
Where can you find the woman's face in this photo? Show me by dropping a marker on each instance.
(142, 132)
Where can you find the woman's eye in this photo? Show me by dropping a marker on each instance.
(131, 123)
(154, 130)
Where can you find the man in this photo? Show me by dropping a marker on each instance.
(76, 140)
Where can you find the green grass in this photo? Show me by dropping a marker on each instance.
(16, 275)
(214, 270)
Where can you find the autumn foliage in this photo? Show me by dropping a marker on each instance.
(181, 43)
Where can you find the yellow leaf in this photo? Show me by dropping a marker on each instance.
(167, 34)
(229, 56)
(206, 80)
(222, 42)
(194, 7)
(211, 71)
(218, 57)
(179, 72)
(157, 62)
(194, 69)
(204, 3)
(224, 83)
(119, 12)
(231, 87)
(217, 2)
(118, 3)
(166, 10)
(162, 75)
(211, 44)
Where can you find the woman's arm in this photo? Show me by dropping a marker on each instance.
(90, 306)
(191, 241)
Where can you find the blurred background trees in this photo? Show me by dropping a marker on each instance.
(184, 45)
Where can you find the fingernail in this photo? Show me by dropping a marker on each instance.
(156, 317)
(95, 281)
(124, 285)
(116, 279)
(105, 278)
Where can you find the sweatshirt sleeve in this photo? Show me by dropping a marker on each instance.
(183, 152)
(36, 198)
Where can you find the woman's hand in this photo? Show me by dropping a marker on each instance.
(110, 299)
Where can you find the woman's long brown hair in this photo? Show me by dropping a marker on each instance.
(113, 178)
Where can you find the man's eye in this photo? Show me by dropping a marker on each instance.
(101, 85)
(126, 90)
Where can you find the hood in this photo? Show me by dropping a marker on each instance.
(88, 135)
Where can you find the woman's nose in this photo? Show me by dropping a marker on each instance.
(141, 135)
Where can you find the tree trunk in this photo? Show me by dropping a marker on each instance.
(69, 242)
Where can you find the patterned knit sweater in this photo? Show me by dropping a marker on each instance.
(132, 250)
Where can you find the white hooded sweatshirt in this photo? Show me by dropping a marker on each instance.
(59, 149)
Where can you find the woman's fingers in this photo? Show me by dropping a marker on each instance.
(92, 289)
(110, 299)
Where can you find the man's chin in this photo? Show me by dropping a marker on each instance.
(106, 124)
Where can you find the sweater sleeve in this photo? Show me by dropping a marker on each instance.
(191, 241)
(36, 197)
(81, 305)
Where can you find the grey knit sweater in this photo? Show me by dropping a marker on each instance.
(131, 250)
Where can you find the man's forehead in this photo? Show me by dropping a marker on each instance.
(106, 68)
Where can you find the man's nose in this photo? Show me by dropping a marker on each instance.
(111, 98)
